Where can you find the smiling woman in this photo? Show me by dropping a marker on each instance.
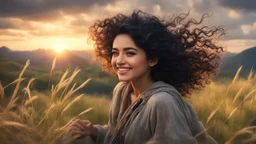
(158, 62)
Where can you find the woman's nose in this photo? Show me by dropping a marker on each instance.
(120, 59)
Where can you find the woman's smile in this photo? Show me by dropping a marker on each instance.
(128, 60)
(123, 70)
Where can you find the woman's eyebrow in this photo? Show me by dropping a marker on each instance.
(126, 48)
(130, 48)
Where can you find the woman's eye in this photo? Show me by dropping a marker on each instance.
(130, 53)
(114, 53)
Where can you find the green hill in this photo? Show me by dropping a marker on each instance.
(44, 58)
(247, 59)
(12, 62)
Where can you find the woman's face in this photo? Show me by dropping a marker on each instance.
(128, 61)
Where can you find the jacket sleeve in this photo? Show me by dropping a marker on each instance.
(104, 131)
(167, 121)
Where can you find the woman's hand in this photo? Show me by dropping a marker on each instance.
(81, 128)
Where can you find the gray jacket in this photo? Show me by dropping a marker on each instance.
(163, 117)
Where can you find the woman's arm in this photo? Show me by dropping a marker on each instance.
(168, 122)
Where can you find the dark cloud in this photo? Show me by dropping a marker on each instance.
(9, 23)
(56, 10)
(246, 5)
(10, 33)
(46, 9)
(204, 5)
(168, 6)
(238, 34)
(5, 24)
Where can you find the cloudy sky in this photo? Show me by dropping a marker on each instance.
(33, 24)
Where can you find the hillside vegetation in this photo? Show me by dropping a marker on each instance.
(232, 62)
(226, 108)
(101, 83)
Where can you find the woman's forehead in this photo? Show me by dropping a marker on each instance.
(123, 41)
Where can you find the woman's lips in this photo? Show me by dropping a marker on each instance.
(123, 71)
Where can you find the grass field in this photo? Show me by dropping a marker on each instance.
(226, 107)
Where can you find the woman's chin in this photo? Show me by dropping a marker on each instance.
(123, 80)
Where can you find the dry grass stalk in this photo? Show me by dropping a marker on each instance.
(251, 140)
(65, 95)
(201, 132)
(11, 104)
(14, 82)
(30, 100)
(45, 115)
(25, 117)
(49, 110)
(250, 76)
(238, 94)
(12, 115)
(62, 83)
(248, 95)
(253, 99)
(14, 124)
(27, 89)
(230, 115)
(1, 92)
(53, 65)
(66, 86)
(247, 130)
(71, 103)
(74, 118)
(85, 111)
(70, 79)
(245, 98)
(20, 77)
(72, 91)
(13, 97)
(213, 113)
(82, 85)
(235, 78)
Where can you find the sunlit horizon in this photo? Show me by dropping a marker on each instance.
(59, 48)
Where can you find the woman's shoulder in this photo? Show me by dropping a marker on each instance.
(170, 99)
(162, 98)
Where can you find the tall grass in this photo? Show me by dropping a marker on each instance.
(226, 108)
(29, 117)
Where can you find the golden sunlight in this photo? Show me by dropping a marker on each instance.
(59, 48)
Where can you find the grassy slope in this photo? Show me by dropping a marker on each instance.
(225, 107)
(102, 83)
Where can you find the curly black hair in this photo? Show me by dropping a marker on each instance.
(188, 55)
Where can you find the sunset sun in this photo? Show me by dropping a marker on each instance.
(59, 48)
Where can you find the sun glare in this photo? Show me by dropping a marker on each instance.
(59, 48)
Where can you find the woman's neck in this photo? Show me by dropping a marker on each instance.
(140, 86)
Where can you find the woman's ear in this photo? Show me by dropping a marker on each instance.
(153, 62)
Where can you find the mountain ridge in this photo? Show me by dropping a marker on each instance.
(44, 58)
(79, 58)
(246, 58)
